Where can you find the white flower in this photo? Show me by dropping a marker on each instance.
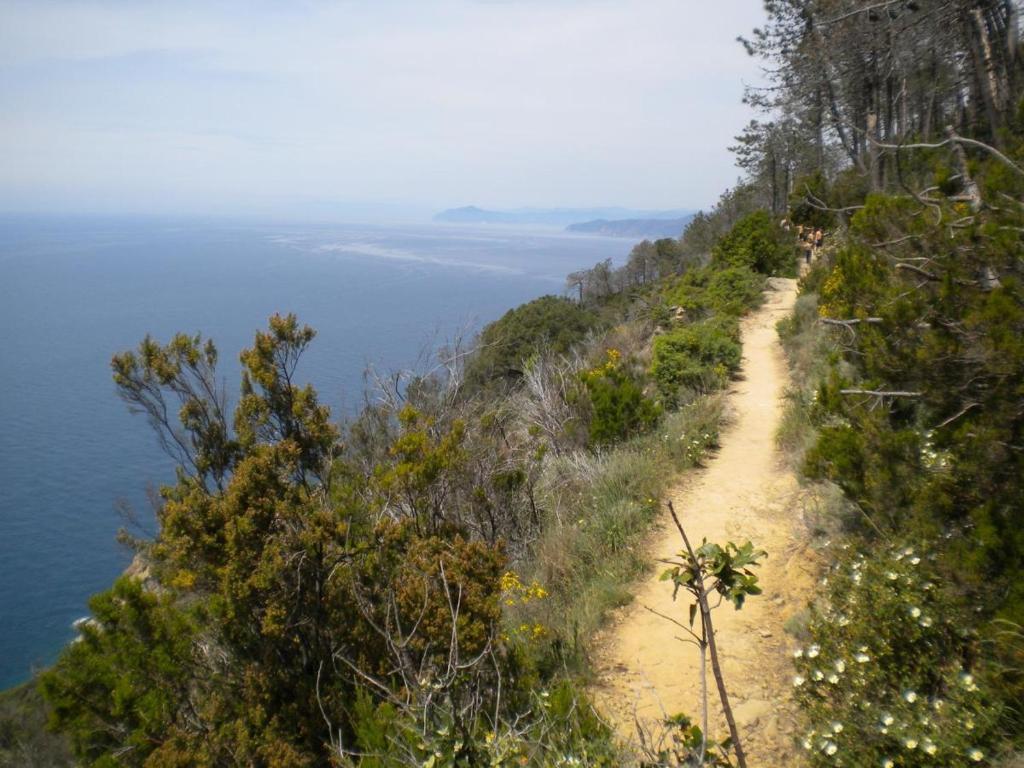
(837, 727)
(976, 755)
(915, 612)
(833, 678)
(915, 560)
(862, 658)
(887, 763)
(843, 621)
(910, 696)
(856, 578)
(798, 680)
(969, 724)
(817, 674)
(926, 621)
(798, 653)
(831, 748)
(840, 666)
(813, 651)
(888, 719)
(807, 744)
(891, 576)
(930, 748)
(910, 743)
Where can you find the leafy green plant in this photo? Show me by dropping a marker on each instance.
(716, 289)
(699, 358)
(756, 242)
(891, 675)
(619, 408)
(550, 322)
(735, 290)
(563, 732)
(727, 571)
(683, 743)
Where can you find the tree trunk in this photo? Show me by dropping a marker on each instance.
(987, 76)
(716, 668)
(708, 635)
(773, 172)
(874, 159)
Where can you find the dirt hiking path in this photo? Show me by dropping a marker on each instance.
(744, 492)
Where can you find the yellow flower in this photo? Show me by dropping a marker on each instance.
(510, 581)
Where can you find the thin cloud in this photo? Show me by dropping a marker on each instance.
(240, 106)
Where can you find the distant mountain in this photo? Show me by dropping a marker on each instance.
(552, 217)
(649, 228)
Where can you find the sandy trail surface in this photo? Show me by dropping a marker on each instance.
(744, 492)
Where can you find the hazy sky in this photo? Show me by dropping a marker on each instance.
(301, 106)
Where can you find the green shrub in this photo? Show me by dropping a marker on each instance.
(699, 358)
(563, 730)
(735, 290)
(619, 408)
(716, 290)
(689, 292)
(756, 242)
(551, 322)
(889, 676)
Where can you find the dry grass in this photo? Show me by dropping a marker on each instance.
(601, 509)
(807, 346)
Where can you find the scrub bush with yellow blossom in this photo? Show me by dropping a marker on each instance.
(619, 409)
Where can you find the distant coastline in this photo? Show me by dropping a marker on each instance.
(634, 228)
(568, 218)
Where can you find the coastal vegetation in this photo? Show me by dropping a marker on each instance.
(419, 585)
(905, 348)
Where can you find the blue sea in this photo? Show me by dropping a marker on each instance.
(74, 291)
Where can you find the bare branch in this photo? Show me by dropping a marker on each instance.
(880, 393)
